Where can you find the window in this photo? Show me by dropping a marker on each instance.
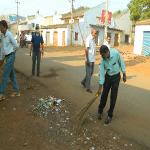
(76, 36)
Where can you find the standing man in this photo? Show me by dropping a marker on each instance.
(9, 47)
(90, 52)
(112, 63)
(36, 54)
(107, 43)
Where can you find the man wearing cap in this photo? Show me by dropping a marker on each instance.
(37, 39)
(112, 63)
(8, 49)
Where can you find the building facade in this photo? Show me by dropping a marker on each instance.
(142, 38)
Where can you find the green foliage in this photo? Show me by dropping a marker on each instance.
(139, 9)
(84, 7)
(118, 12)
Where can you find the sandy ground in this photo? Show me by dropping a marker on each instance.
(24, 126)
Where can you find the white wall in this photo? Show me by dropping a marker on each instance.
(57, 20)
(123, 22)
(138, 40)
(59, 31)
(90, 15)
(38, 20)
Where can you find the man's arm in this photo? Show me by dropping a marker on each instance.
(42, 46)
(15, 45)
(2, 56)
(86, 52)
(122, 66)
(31, 48)
(31, 45)
(102, 74)
(87, 49)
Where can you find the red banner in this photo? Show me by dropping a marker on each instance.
(104, 16)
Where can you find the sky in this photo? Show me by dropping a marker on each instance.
(49, 7)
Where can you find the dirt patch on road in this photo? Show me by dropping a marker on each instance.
(23, 129)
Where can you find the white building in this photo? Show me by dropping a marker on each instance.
(142, 37)
(31, 22)
(122, 22)
(83, 22)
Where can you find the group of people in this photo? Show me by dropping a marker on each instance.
(8, 50)
(111, 62)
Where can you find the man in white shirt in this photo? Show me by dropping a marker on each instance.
(8, 49)
(107, 43)
(89, 59)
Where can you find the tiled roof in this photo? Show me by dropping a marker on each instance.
(143, 22)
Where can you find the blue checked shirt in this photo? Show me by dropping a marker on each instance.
(112, 66)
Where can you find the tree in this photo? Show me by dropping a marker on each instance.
(139, 9)
(118, 12)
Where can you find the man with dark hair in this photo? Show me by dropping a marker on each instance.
(90, 51)
(107, 43)
(36, 40)
(112, 62)
(8, 49)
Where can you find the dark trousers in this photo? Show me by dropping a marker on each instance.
(89, 72)
(113, 83)
(36, 55)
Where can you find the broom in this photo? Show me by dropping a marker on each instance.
(78, 118)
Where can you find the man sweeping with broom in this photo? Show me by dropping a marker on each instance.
(112, 63)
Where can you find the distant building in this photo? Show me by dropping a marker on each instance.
(122, 22)
(12, 18)
(142, 37)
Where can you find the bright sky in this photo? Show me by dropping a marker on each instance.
(48, 7)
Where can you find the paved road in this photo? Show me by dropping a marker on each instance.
(62, 70)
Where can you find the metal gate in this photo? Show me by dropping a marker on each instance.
(146, 43)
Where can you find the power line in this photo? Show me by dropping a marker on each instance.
(7, 7)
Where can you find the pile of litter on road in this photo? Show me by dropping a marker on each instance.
(46, 105)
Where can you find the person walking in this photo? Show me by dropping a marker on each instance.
(112, 63)
(36, 54)
(107, 43)
(90, 52)
(8, 49)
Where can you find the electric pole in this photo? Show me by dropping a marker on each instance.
(17, 23)
(71, 21)
(106, 20)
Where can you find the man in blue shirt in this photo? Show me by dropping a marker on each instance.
(112, 63)
(36, 40)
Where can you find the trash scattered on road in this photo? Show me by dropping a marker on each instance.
(105, 125)
(14, 108)
(48, 104)
(125, 145)
(25, 144)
